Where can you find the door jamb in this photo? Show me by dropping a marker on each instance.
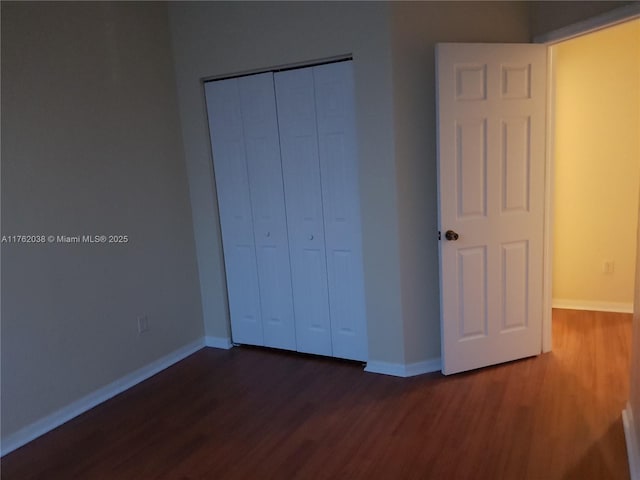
(607, 19)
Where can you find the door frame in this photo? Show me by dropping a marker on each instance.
(605, 20)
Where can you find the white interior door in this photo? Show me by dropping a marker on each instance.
(262, 146)
(303, 199)
(339, 173)
(234, 200)
(491, 144)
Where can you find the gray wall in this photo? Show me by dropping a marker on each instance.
(91, 143)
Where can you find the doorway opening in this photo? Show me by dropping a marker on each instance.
(595, 170)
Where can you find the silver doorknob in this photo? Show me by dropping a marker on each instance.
(451, 235)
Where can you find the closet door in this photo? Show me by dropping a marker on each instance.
(232, 185)
(335, 113)
(260, 125)
(303, 199)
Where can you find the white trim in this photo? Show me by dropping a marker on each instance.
(426, 366)
(218, 342)
(386, 368)
(404, 369)
(604, 20)
(547, 245)
(48, 423)
(633, 448)
(616, 307)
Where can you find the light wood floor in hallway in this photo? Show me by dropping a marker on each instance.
(259, 414)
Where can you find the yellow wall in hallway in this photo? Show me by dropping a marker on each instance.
(597, 165)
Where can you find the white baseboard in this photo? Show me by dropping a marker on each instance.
(48, 423)
(218, 342)
(616, 307)
(404, 369)
(633, 448)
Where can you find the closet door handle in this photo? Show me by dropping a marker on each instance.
(311, 237)
(268, 234)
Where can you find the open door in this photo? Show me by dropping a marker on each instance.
(491, 162)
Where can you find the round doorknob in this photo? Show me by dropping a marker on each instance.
(451, 235)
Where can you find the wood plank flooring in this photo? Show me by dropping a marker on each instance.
(259, 414)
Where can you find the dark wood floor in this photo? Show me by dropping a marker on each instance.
(256, 414)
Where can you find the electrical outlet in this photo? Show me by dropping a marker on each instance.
(143, 324)
(608, 266)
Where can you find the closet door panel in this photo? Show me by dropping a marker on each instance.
(236, 222)
(339, 172)
(303, 199)
(260, 125)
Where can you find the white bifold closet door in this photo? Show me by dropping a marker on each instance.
(319, 163)
(244, 137)
(335, 113)
(287, 183)
(305, 218)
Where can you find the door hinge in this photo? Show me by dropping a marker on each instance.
(439, 235)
